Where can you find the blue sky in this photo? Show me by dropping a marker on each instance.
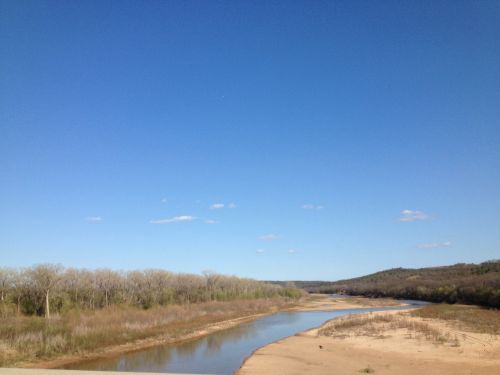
(342, 137)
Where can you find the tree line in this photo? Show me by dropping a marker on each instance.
(477, 284)
(47, 288)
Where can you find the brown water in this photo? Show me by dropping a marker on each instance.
(221, 352)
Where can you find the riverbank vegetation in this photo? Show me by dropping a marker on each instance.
(476, 284)
(48, 311)
(47, 288)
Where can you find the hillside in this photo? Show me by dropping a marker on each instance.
(463, 283)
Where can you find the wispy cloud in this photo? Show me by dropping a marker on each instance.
(209, 221)
(310, 206)
(94, 218)
(269, 237)
(216, 206)
(434, 245)
(175, 219)
(292, 251)
(260, 251)
(411, 215)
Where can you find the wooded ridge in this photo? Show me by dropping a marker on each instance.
(477, 284)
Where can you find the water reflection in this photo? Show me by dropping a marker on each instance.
(220, 352)
(214, 343)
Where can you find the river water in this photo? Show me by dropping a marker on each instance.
(221, 352)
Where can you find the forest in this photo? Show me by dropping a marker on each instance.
(477, 284)
(47, 288)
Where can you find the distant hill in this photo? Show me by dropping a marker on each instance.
(477, 284)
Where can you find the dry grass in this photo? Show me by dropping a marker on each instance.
(378, 325)
(468, 318)
(27, 339)
(369, 302)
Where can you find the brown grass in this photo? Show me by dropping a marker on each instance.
(468, 318)
(378, 325)
(28, 339)
(368, 302)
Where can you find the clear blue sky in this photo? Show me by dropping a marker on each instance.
(342, 137)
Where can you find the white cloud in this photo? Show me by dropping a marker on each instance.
(268, 237)
(292, 251)
(260, 251)
(410, 215)
(309, 206)
(175, 219)
(434, 245)
(94, 218)
(211, 221)
(216, 206)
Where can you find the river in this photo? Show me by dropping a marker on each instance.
(221, 352)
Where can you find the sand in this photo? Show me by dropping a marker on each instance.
(322, 302)
(395, 353)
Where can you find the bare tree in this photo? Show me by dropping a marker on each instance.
(6, 279)
(212, 281)
(45, 278)
(107, 281)
(20, 284)
(72, 283)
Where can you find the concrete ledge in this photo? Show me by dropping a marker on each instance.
(34, 371)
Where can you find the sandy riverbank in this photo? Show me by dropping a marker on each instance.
(322, 302)
(396, 343)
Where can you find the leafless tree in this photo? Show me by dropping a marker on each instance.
(45, 277)
(6, 279)
(20, 285)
